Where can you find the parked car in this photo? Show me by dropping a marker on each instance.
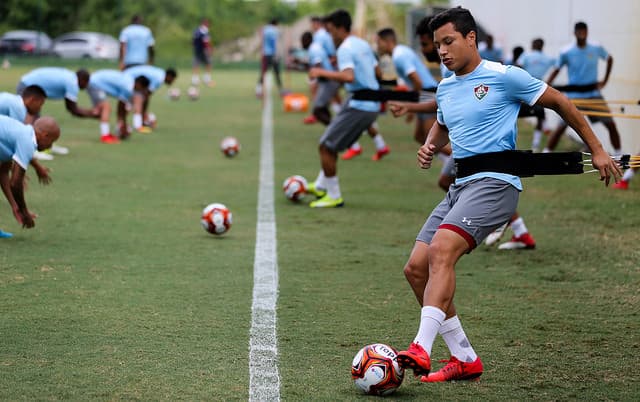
(25, 42)
(89, 45)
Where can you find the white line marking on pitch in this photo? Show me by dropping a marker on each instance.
(264, 380)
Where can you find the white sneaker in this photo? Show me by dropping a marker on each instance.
(59, 150)
(42, 156)
(259, 91)
(496, 235)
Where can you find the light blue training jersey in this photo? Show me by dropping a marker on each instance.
(317, 55)
(270, 34)
(356, 54)
(137, 39)
(406, 61)
(114, 83)
(494, 54)
(536, 63)
(56, 82)
(582, 66)
(12, 106)
(17, 141)
(326, 41)
(155, 75)
(480, 109)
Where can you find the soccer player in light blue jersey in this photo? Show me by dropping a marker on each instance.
(325, 90)
(357, 69)
(136, 44)
(156, 77)
(18, 142)
(581, 59)
(477, 113)
(270, 35)
(126, 89)
(489, 51)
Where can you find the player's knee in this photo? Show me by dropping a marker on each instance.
(415, 271)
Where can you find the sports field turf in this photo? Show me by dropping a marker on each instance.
(118, 293)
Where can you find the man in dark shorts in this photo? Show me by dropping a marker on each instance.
(202, 51)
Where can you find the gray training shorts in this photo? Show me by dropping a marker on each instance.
(472, 209)
(424, 97)
(325, 92)
(97, 95)
(346, 128)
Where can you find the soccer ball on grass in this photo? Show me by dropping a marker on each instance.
(216, 219)
(230, 146)
(295, 187)
(375, 370)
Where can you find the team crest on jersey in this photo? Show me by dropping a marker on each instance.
(481, 91)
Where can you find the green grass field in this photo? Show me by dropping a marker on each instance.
(118, 293)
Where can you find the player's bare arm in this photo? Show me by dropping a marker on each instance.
(345, 75)
(41, 171)
(438, 138)
(77, 111)
(553, 99)
(17, 190)
(401, 108)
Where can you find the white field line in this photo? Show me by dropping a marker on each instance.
(264, 380)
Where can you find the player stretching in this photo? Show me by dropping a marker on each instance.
(357, 67)
(477, 113)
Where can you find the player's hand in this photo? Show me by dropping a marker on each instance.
(43, 175)
(17, 214)
(27, 220)
(398, 108)
(606, 166)
(425, 155)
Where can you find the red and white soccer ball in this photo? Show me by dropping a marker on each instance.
(230, 146)
(295, 187)
(174, 93)
(216, 219)
(193, 93)
(375, 370)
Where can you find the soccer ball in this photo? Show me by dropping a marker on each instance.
(193, 93)
(295, 187)
(230, 146)
(216, 219)
(375, 370)
(174, 93)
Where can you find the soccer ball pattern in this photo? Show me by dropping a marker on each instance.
(216, 219)
(193, 93)
(230, 146)
(174, 93)
(295, 187)
(375, 370)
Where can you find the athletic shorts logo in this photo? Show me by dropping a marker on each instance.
(466, 220)
(481, 91)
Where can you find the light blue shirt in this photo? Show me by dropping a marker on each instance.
(406, 62)
(56, 82)
(494, 54)
(114, 83)
(324, 38)
(270, 35)
(317, 55)
(155, 75)
(17, 141)
(480, 109)
(536, 63)
(582, 66)
(13, 106)
(137, 38)
(356, 54)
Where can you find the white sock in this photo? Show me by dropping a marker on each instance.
(355, 146)
(336, 108)
(617, 152)
(431, 319)
(455, 338)
(333, 187)
(320, 181)
(546, 150)
(206, 78)
(104, 128)
(519, 227)
(379, 141)
(137, 120)
(537, 137)
(628, 174)
(195, 80)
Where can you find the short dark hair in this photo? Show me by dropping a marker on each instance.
(423, 27)
(537, 44)
(136, 19)
(387, 33)
(274, 21)
(340, 19)
(580, 25)
(171, 72)
(461, 19)
(142, 80)
(306, 39)
(35, 91)
(316, 18)
(83, 74)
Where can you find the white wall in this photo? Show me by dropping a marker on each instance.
(612, 23)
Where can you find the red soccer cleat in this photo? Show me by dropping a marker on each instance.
(621, 185)
(351, 153)
(311, 119)
(456, 370)
(380, 153)
(416, 359)
(524, 242)
(109, 139)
